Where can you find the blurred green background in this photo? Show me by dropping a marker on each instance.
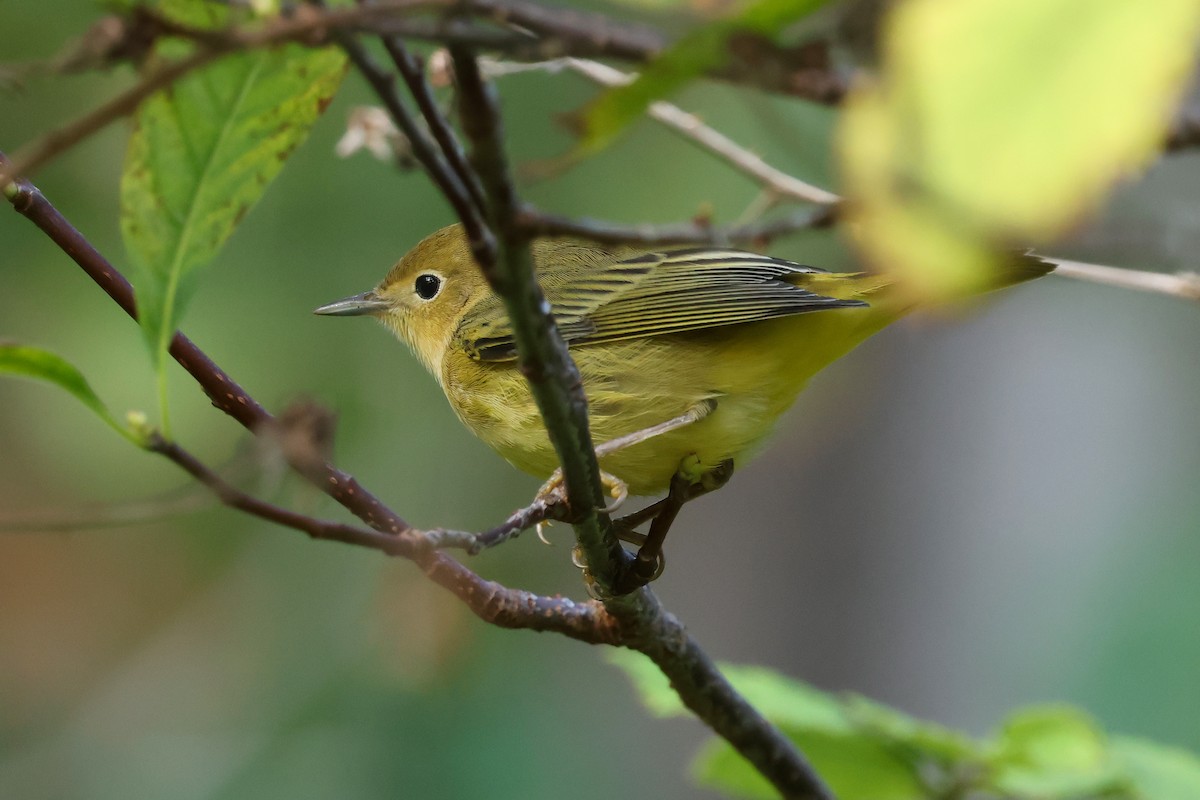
(968, 514)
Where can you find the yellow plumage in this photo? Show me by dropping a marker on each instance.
(653, 334)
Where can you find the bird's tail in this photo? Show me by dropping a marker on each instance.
(881, 291)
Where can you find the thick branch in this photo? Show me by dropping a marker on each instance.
(542, 354)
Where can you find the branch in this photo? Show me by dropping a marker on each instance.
(29, 158)
(413, 73)
(717, 143)
(540, 223)
(455, 185)
(699, 683)
(799, 72)
(492, 602)
(705, 691)
(1182, 284)
(542, 355)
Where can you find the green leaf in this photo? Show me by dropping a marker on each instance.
(1000, 122)
(862, 749)
(867, 751)
(696, 53)
(788, 702)
(1158, 772)
(1053, 752)
(855, 767)
(32, 362)
(920, 740)
(202, 153)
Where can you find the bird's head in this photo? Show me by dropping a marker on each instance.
(424, 296)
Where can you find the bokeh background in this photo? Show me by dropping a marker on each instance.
(970, 513)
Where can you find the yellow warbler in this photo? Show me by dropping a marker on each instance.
(728, 336)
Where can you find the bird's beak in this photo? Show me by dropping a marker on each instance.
(358, 305)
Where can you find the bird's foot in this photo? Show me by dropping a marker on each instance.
(689, 482)
(554, 491)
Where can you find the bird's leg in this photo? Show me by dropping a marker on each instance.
(649, 562)
(552, 491)
(692, 415)
(624, 527)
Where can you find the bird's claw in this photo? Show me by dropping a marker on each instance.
(554, 491)
(617, 489)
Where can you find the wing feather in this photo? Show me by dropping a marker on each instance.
(655, 294)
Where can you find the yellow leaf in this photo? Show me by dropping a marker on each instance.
(1003, 123)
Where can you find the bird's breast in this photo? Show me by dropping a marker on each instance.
(631, 386)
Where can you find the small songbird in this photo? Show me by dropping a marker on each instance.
(710, 344)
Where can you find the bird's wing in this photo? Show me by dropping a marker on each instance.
(671, 291)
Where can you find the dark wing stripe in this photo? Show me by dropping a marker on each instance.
(755, 296)
(662, 293)
(704, 322)
(616, 327)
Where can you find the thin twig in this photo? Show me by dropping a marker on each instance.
(540, 223)
(711, 140)
(503, 606)
(405, 544)
(28, 159)
(107, 515)
(1181, 284)
(518, 522)
(496, 603)
(410, 69)
(453, 183)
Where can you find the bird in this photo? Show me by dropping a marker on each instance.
(688, 354)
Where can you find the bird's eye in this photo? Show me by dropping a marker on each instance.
(428, 286)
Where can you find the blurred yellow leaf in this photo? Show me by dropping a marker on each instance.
(1003, 122)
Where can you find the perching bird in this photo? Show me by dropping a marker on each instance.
(718, 340)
